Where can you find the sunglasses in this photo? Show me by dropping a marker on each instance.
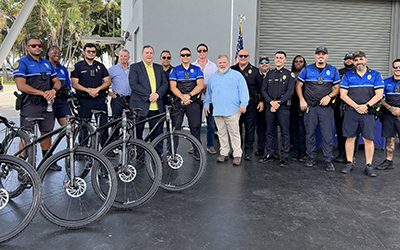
(38, 45)
(166, 57)
(298, 61)
(91, 51)
(396, 67)
(185, 55)
(202, 50)
(243, 56)
(264, 63)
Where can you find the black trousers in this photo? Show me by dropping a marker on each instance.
(248, 119)
(193, 113)
(118, 104)
(261, 130)
(282, 118)
(297, 133)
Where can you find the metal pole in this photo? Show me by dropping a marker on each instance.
(16, 29)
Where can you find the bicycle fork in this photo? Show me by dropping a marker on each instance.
(71, 162)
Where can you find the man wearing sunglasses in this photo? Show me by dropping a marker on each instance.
(391, 114)
(361, 89)
(121, 91)
(187, 83)
(208, 68)
(165, 59)
(256, 103)
(37, 79)
(91, 80)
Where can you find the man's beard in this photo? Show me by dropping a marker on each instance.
(360, 67)
(223, 71)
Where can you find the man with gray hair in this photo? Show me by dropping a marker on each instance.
(228, 93)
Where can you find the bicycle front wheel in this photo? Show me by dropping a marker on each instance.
(73, 203)
(139, 178)
(181, 170)
(17, 213)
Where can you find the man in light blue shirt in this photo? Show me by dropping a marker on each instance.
(121, 91)
(228, 93)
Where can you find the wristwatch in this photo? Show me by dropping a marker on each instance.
(330, 96)
(368, 106)
(190, 94)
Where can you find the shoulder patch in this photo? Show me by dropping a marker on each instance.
(292, 74)
(16, 65)
(172, 70)
(73, 68)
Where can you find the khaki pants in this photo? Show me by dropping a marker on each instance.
(228, 127)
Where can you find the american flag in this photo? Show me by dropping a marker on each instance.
(239, 45)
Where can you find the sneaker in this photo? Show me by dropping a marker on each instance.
(222, 158)
(191, 150)
(211, 150)
(259, 153)
(268, 158)
(236, 161)
(247, 157)
(340, 158)
(310, 162)
(283, 163)
(196, 156)
(347, 168)
(330, 167)
(386, 164)
(55, 167)
(368, 171)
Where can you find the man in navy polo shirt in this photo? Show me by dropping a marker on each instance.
(391, 114)
(321, 83)
(187, 83)
(361, 89)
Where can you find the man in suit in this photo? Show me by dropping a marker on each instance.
(148, 84)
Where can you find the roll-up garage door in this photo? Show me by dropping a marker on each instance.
(299, 26)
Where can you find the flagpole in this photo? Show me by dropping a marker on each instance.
(231, 43)
(239, 44)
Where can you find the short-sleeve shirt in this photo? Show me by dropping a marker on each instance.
(63, 76)
(90, 76)
(120, 80)
(318, 84)
(362, 89)
(392, 91)
(186, 79)
(38, 74)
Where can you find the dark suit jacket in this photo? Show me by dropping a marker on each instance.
(141, 90)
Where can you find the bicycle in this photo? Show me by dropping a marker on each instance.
(17, 212)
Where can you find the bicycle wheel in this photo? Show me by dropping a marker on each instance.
(181, 170)
(139, 180)
(116, 132)
(82, 134)
(74, 204)
(17, 213)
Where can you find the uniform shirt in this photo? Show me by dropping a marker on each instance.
(120, 80)
(392, 91)
(362, 89)
(278, 85)
(227, 92)
(186, 79)
(250, 73)
(38, 74)
(66, 88)
(90, 76)
(318, 84)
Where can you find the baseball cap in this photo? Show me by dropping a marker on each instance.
(348, 55)
(264, 60)
(359, 53)
(321, 49)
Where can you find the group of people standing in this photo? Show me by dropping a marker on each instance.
(257, 99)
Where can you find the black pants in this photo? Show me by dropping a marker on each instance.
(339, 117)
(118, 104)
(297, 133)
(261, 131)
(193, 113)
(86, 105)
(281, 118)
(249, 121)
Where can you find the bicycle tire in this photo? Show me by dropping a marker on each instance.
(114, 135)
(82, 134)
(140, 180)
(182, 171)
(83, 204)
(14, 208)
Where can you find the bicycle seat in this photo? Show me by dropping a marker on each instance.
(96, 112)
(34, 119)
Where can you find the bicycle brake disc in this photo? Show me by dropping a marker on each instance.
(4, 198)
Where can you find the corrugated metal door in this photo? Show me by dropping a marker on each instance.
(299, 26)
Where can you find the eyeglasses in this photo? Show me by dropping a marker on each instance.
(186, 55)
(396, 67)
(91, 51)
(298, 61)
(243, 56)
(56, 53)
(202, 50)
(33, 46)
(264, 63)
(166, 57)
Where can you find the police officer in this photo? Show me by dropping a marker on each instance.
(256, 103)
(186, 83)
(338, 108)
(37, 79)
(391, 114)
(361, 89)
(321, 84)
(90, 79)
(277, 90)
(165, 60)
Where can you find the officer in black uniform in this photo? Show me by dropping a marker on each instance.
(338, 107)
(90, 79)
(277, 90)
(256, 103)
(37, 79)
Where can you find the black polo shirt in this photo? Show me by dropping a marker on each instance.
(90, 76)
(278, 85)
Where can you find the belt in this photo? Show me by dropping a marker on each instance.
(122, 96)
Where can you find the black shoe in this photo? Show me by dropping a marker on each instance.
(347, 168)
(340, 159)
(248, 157)
(259, 152)
(283, 163)
(55, 167)
(268, 158)
(196, 156)
(386, 164)
(310, 162)
(330, 167)
(368, 171)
